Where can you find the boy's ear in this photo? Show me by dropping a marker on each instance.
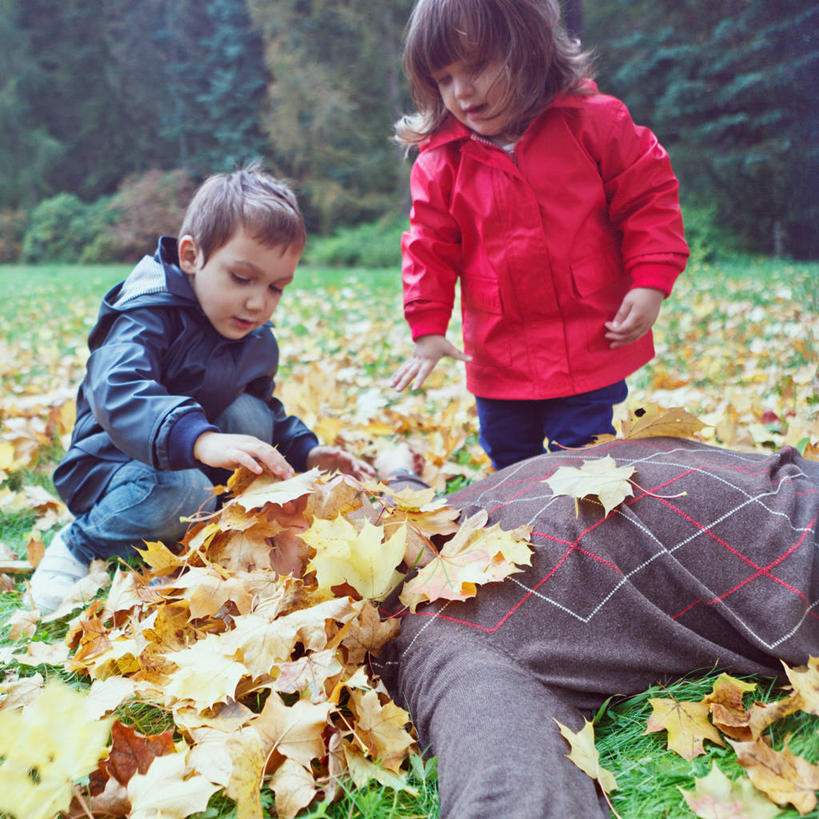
(188, 253)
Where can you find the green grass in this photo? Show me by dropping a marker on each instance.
(48, 310)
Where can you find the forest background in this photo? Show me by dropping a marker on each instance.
(112, 110)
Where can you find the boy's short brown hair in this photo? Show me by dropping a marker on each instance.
(249, 198)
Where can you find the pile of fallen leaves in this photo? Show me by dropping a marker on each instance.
(253, 637)
(774, 777)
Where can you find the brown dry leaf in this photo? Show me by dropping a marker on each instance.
(266, 489)
(655, 422)
(783, 776)
(159, 557)
(584, 754)
(728, 713)
(368, 634)
(309, 675)
(382, 727)
(132, 752)
(295, 731)
(601, 477)
(686, 723)
(294, 788)
(717, 797)
(23, 623)
(16, 691)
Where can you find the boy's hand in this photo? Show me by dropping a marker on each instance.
(427, 353)
(636, 315)
(228, 451)
(332, 457)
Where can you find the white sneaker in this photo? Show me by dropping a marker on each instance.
(58, 571)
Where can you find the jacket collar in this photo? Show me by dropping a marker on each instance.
(167, 254)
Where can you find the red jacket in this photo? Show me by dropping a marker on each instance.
(546, 243)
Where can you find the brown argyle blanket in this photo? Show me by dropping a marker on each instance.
(712, 562)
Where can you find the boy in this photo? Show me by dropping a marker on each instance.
(178, 386)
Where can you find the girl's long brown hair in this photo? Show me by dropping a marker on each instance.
(525, 36)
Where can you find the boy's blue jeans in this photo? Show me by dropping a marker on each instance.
(513, 430)
(143, 503)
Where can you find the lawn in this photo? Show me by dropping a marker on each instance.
(735, 346)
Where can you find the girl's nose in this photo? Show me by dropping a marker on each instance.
(464, 86)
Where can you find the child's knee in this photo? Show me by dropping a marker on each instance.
(247, 415)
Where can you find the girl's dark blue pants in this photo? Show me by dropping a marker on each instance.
(513, 430)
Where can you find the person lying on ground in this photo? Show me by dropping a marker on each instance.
(712, 564)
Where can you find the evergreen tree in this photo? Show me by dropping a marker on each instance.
(731, 90)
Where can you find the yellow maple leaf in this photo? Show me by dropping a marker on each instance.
(601, 477)
(473, 557)
(363, 558)
(805, 683)
(44, 748)
(267, 489)
(686, 723)
(169, 789)
(717, 797)
(248, 760)
(585, 755)
(294, 787)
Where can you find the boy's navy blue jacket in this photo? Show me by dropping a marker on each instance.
(158, 376)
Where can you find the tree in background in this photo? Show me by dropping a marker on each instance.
(731, 89)
(335, 93)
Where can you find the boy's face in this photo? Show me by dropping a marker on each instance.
(241, 283)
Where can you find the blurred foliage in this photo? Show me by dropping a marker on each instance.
(94, 92)
(372, 244)
(13, 224)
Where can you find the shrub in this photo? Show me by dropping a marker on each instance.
(13, 225)
(373, 244)
(144, 207)
(707, 241)
(59, 229)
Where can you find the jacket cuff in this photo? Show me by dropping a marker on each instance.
(183, 436)
(655, 274)
(298, 451)
(425, 320)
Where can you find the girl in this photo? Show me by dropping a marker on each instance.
(558, 214)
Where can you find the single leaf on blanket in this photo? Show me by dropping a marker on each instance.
(686, 723)
(783, 776)
(805, 683)
(717, 797)
(361, 557)
(656, 422)
(267, 489)
(45, 747)
(169, 789)
(473, 557)
(584, 754)
(601, 477)
(728, 713)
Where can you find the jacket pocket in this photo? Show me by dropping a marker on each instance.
(482, 294)
(484, 328)
(599, 284)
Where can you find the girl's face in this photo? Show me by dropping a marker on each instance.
(472, 94)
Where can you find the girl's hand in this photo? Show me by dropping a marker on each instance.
(636, 316)
(332, 457)
(228, 451)
(428, 351)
